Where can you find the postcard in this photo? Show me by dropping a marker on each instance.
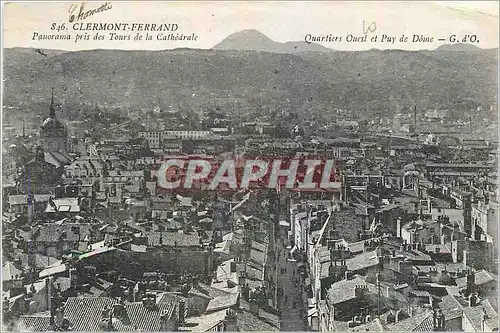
(250, 166)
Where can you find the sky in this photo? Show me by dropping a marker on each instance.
(281, 21)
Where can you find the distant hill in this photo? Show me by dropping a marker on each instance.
(372, 82)
(253, 40)
(27, 56)
(459, 47)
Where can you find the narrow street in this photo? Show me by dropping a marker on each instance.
(292, 318)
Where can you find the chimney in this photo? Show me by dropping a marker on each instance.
(73, 276)
(254, 308)
(59, 317)
(231, 321)
(135, 290)
(105, 313)
(483, 319)
(182, 311)
(165, 321)
(360, 291)
(398, 313)
(242, 279)
(233, 267)
(118, 310)
(470, 280)
(106, 324)
(472, 300)
(438, 320)
(148, 301)
(17, 261)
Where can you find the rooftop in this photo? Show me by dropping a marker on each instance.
(345, 290)
(173, 239)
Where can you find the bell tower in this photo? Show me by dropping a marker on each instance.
(53, 133)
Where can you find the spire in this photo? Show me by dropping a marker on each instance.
(52, 110)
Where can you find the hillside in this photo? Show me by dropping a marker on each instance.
(380, 82)
(252, 40)
(459, 47)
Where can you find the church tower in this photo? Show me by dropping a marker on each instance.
(53, 133)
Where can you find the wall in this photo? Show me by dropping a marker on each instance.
(454, 324)
(196, 305)
(187, 261)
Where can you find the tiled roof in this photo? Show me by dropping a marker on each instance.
(258, 256)
(492, 323)
(169, 297)
(145, 319)
(415, 255)
(173, 238)
(9, 271)
(451, 307)
(345, 290)
(51, 233)
(362, 261)
(19, 199)
(475, 315)
(64, 205)
(205, 322)
(210, 291)
(259, 246)
(224, 272)
(57, 159)
(420, 293)
(481, 277)
(265, 321)
(372, 326)
(255, 271)
(222, 302)
(64, 283)
(85, 313)
(422, 322)
(34, 323)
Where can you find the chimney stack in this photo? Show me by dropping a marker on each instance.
(73, 275)
(231, 321)
(182, 311)
(118, 310)
(438, 320)
(473, 299)
(360, 291)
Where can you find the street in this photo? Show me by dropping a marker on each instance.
(291, 303)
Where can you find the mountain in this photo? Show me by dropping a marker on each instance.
(27, 56)
(253, 40)
(244, 82)
(459, 47)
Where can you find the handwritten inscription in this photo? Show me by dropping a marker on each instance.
(78, 13)
(372, 27)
